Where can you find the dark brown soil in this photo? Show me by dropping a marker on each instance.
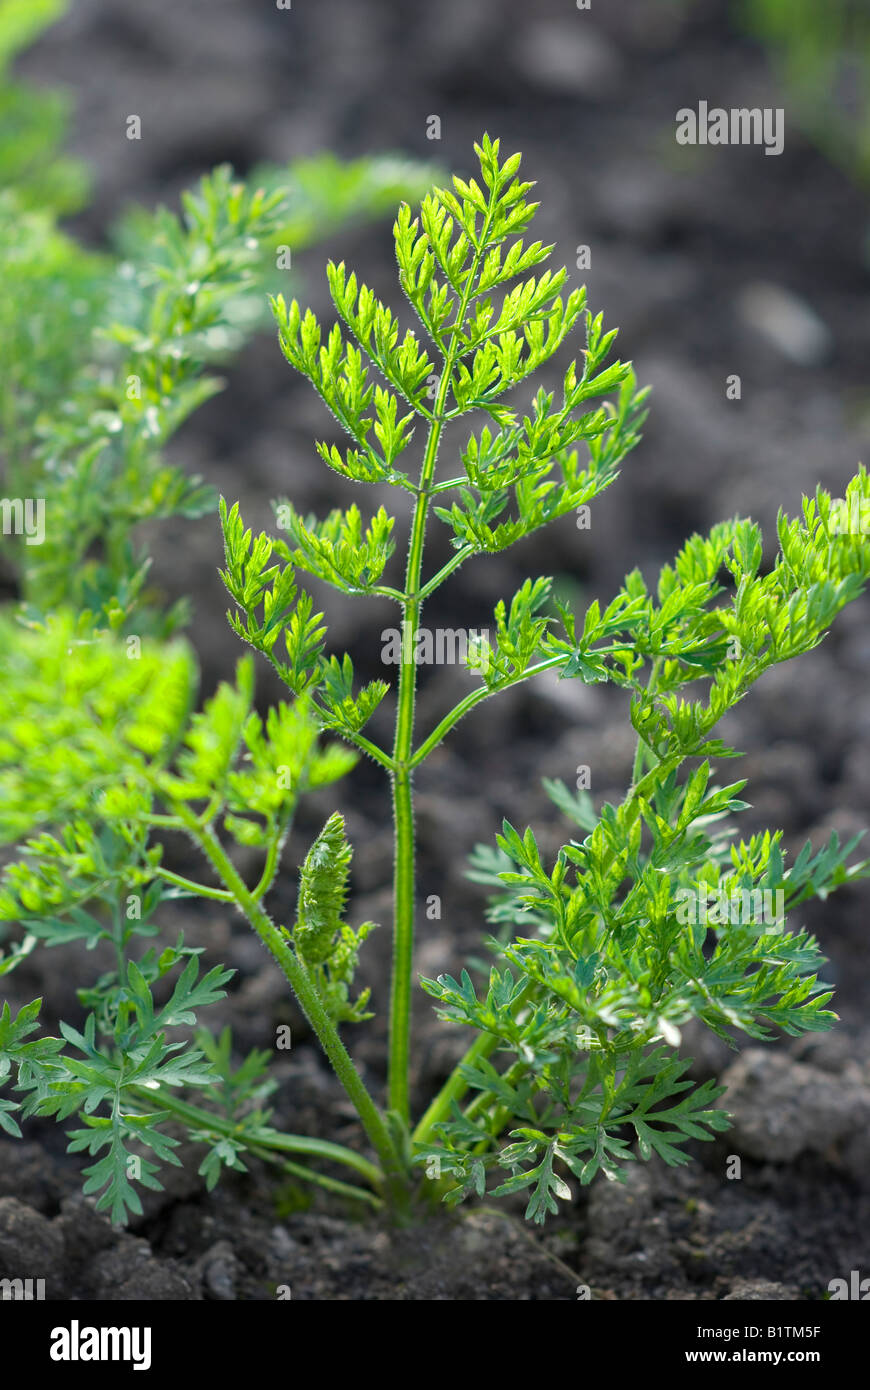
(681, 249)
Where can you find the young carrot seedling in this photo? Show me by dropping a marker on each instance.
(650, 916)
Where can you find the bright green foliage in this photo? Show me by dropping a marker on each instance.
(60, 757)
(271, 606)
(653, 914)
(519, 632)
(405, 365)
(465, 237)
(522, 456)
(490, 348)
(252, 582)
(338, 550)
(613, 969)
(343, 711)
(337, 372)
(75, 710)
(686, 635)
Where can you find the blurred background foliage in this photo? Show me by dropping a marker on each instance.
(820, 52)
(104, 354)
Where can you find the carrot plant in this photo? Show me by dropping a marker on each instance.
(600, 956)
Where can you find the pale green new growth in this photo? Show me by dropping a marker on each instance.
(322, 940)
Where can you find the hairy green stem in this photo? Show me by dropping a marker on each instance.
(643, 747)
(273, 855)
(403, 806)
(446, 570)
(383, 591)
(201, 890)
(264, 1140)
(366, 746)
(298, 1170)
(483, 692)
(498, 1117)
(477, 697)
(454, 1087)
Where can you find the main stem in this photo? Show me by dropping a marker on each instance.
(401, 779)
(402, 774)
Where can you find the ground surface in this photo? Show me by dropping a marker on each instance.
(681, 252)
